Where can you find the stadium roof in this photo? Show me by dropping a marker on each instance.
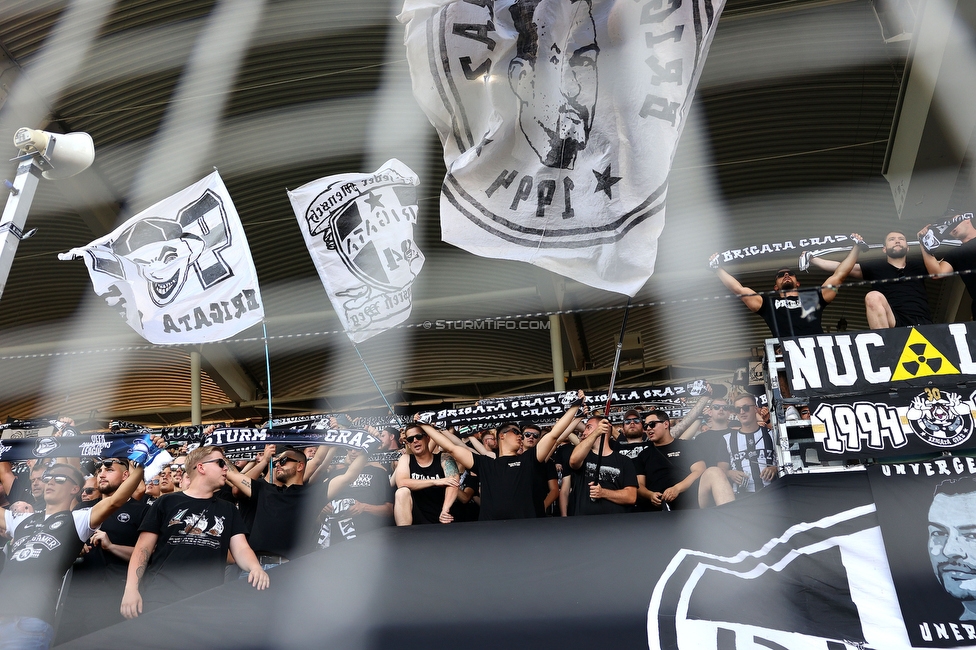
(797, 116)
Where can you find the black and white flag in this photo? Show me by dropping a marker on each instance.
(181, 270)
(359, 232)
(559, 120)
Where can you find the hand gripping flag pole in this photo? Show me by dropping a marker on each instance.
(613, 380)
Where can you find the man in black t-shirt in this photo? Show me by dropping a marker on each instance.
(668, 472)
(784, 311)
(427, 483)
(506, 481)
(360, 500)
(546, 482)
(184, 539)
(275, 510)
(896, 303)
(604, 481)
(958, 259)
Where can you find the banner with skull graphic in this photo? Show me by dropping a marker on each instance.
(181, 270)
(359, 232)
(559, 120)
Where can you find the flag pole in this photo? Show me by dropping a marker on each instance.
(378, 389)
(613, 380)
(267, 365)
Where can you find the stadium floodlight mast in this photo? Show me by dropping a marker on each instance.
(51, 155)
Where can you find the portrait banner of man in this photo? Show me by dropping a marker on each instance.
(359, 231)
(559, 121)
(927, 512)
(180, 271)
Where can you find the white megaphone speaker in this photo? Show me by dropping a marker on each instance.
(59, 155)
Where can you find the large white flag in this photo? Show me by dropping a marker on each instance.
(559, 120)
(359, 232)
(181, 270)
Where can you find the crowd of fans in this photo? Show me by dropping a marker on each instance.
(137, 544)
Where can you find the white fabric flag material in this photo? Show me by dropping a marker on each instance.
(359, 232)
(559, 120)
(181, 270)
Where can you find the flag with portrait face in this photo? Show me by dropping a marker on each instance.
(559, 120)
(179, 271)
(359, 232)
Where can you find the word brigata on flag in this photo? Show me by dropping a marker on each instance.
(359, 232)
(559, 120)
(179, 271)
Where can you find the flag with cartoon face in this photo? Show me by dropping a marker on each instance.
(559, 121)
(359, 232)
(181, 270)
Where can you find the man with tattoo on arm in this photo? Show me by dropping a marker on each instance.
(46, 543)
(427, 483)
(183, 542)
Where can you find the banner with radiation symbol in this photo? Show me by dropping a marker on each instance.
(359, 232)
(559, 121)
(179, 271)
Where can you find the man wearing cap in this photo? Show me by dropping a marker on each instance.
(45, 545)
(787, 313)
(506, 481)
(184, 539)
(958, 259)
(632, 441)
(427, 483)
(275, 511)
(100, 576)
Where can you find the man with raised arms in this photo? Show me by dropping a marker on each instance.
(784, 311)
(507, 481)
(897, 302)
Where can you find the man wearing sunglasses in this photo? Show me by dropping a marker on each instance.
(506, 481)
(274, 510)
(787, 313)
(427, 483)
(545, 485)
(668, 471)
(45, 545)
(184, 539)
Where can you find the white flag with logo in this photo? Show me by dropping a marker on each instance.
(559, 120)
(359, 232)
(181, 270)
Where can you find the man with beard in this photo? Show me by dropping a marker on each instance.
(546, 481)
(783, 312)
(554, 76)
(427, 483)
(99, 578)
(275, 510)
(952, 550)
(896, 302)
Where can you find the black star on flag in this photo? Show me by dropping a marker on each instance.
(374, 201)
(604, 181)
